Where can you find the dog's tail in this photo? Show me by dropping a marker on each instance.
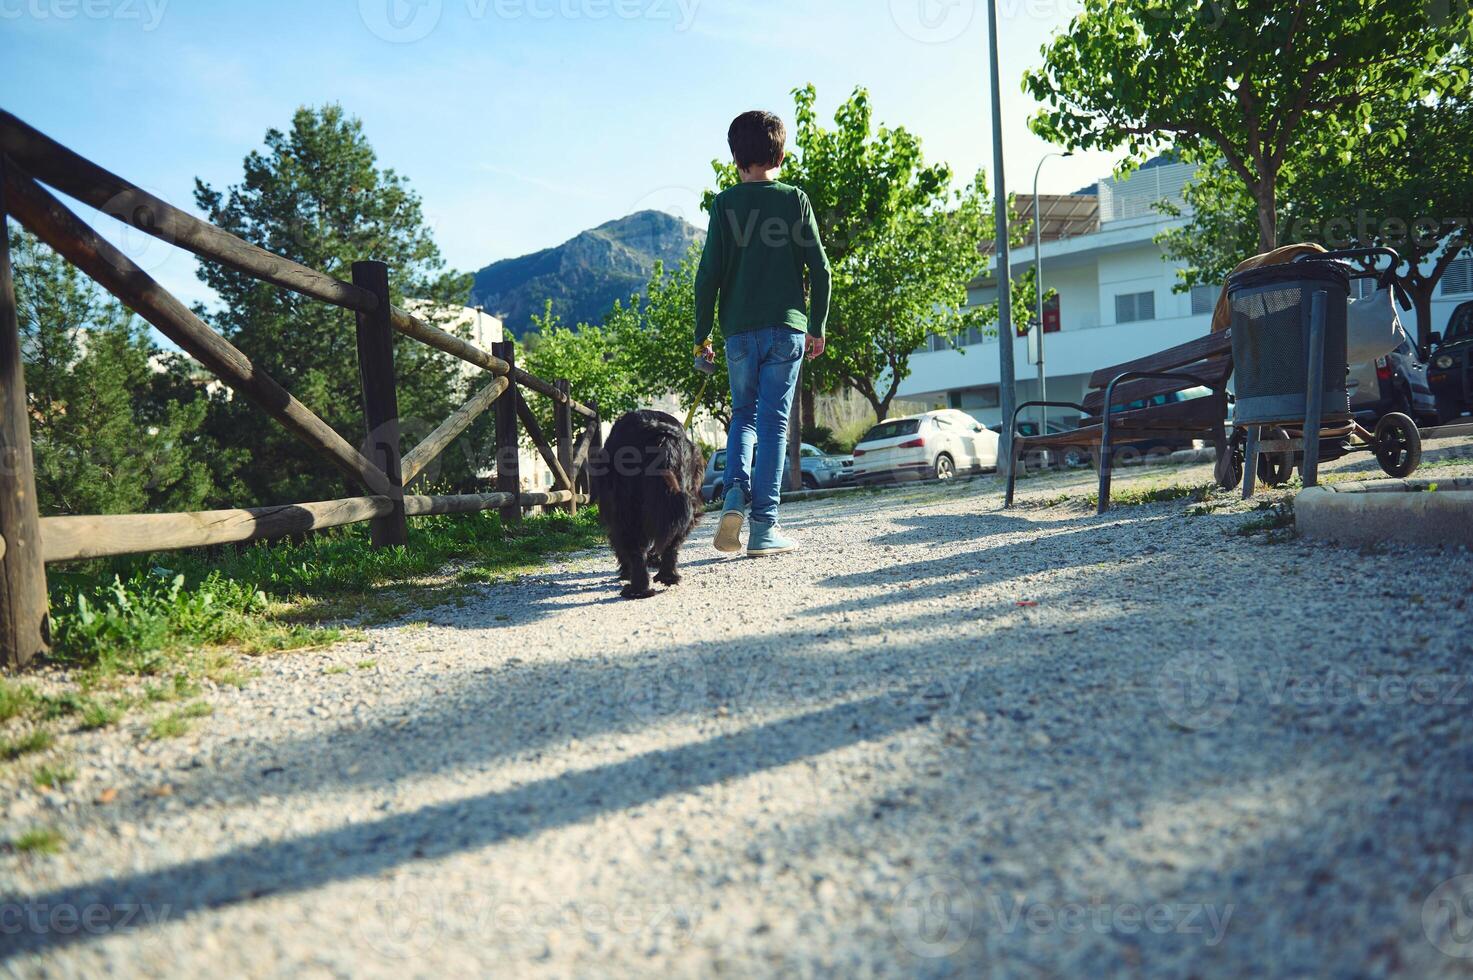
(670, 511)
(664, 468)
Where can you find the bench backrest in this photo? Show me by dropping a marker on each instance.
(1208, 358)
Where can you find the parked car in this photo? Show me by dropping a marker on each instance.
(934, 445)
(1143, 446)
(1397, 382)
(1043, 458)
(821, 471)
(1450, 364)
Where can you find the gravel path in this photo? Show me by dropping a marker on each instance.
(945, 740)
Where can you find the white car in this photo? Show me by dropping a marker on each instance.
(935, 445)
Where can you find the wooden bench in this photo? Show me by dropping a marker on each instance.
(1206, 362)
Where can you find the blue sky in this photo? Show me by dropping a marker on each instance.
(520, 122)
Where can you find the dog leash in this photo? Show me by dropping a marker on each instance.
(691, 415)
(705, 368)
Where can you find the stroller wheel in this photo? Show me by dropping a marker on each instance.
(1229, 469)
(1398, 445)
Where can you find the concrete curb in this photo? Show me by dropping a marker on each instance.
(1419, 512)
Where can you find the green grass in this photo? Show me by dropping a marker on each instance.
(1276, 517)
(1156, 494)
(176, 723)
(40, 840)
(15, 700)
(136, 617)
(38, 740)
(149, 630)
(53, 776)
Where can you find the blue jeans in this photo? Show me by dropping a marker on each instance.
(763, 366)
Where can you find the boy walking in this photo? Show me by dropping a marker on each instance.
(763, 235)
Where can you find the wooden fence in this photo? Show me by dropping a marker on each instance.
(28, 541)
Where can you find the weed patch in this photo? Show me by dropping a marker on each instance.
(40, 840)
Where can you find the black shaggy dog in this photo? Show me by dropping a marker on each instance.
(647, 484)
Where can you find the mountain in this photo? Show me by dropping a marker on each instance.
(585, 275)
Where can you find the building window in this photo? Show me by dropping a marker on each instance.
(1459, 277)
(1132, 307)
(1204, 299)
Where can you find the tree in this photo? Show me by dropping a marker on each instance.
(1246, 81)
(903, 242)
(317, 196)
(590, 356)
(1405, 183)
(657, 332)
(116, 424)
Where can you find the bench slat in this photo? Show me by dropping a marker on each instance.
(1181, 420)
(1211, 346)
(1211, 372)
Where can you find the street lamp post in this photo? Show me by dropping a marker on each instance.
(1038, 282)
(1005, 385)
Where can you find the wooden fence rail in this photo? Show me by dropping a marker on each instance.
(29, 159)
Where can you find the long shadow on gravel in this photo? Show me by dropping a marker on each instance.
(1083, 544)
(489, 715)
(436, 831)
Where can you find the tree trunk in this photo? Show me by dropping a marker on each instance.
(808, 416)
(1421, 294)
(868, 391)
(1266, 198)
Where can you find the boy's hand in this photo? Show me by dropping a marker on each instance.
(815, 346)
(706, 352)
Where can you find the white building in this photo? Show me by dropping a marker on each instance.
(1116, 299)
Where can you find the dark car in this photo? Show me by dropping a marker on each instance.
(1450, 365)
(1132, 449)
(1040, 458)
(1397, 382)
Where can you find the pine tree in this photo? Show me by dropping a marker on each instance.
(116, 424)
(317, 196)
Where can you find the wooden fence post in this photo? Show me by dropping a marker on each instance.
(562, 416)
(25, 628)
(508, 441)
(595, 443)
(381, 398)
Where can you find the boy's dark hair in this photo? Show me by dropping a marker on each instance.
(757, 138)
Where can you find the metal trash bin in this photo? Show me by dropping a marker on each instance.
(1271, 341)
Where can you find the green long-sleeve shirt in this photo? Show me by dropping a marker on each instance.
(762, 236)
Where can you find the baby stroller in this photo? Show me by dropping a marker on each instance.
(1294, 325)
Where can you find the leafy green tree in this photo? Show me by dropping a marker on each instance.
(116, 424)
(1247, 82)
(657, 331)
(590, 356)
(902, 239)
(317, 196)
(1408, 186)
